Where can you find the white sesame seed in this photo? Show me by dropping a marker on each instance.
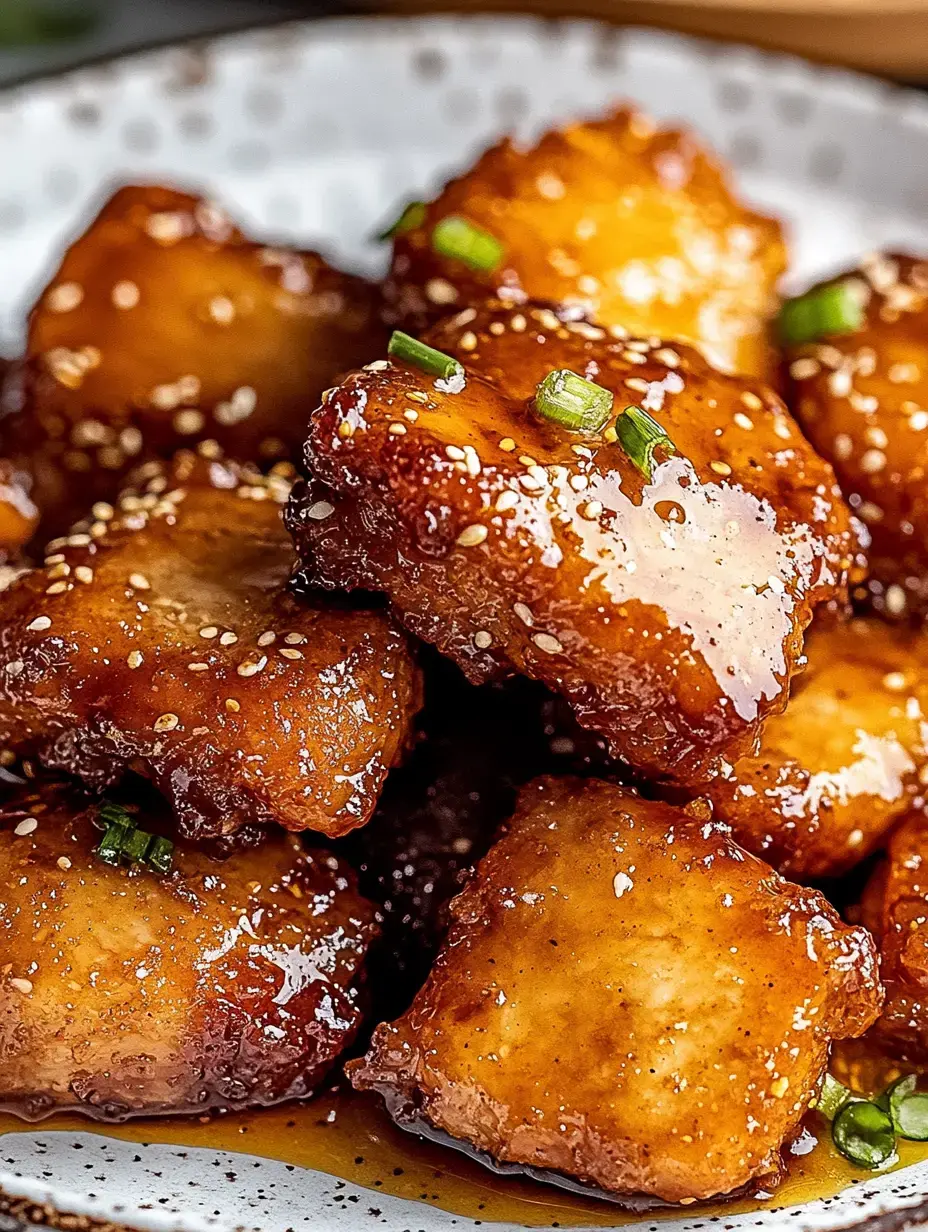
(83, 573)
(752, 401)
(524, 613)
(743, 421)
(507, 500)
(64, 863)
(268, 638)
(208, 631)
(843, 446)
(56, 588)
(228, 638)
(40, 624)
(468, 341)
(23, 986)
(289, 653)
(397, 429)
(482, 639)
(720, 468)
(894, 681)
(125, 295)
(804, 369)
(295, 639)
(251, 667)
(233, 705)
(135, 659)
(507, 444)
(65, 297)
(222, 310)
(440, 291)
(27, 826)
(548, 643)
(139, 581)
(455, 453)
(378, 365)
(188, 422)
(873, 460)
(199, 666)
(592, 509)
(165, 722)
(839, 383)
(471, 536)
(895, 600)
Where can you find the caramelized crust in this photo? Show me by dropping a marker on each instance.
(669, 613)
(627, 998)
(18, 515)
(122, 993)
(637, 225)
(164, 325)
(843, 762)
(163, 640)
(895, 909)
(862, 400)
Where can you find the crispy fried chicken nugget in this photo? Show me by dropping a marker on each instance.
(165, 325)
(638, 225)
(122, 993)
(163, 640)
(861, 399)
(670, 613)
(895, 909)
(610, 955)
(839, 767)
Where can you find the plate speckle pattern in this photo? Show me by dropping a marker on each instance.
(318, 132)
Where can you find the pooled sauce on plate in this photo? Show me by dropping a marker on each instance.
(349, 1135)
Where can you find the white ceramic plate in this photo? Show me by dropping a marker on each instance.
(316, 132)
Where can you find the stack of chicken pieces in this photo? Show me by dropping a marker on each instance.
(241, 587)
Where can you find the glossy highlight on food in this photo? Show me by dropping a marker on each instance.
(636, 224)
(164, 325)
(669, 612)
(627, 998)
(862, 400)
(163, 639)
(221, 985)
(844, 762)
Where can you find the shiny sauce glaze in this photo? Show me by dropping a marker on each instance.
(349, 1135)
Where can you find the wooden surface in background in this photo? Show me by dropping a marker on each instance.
(882, 36)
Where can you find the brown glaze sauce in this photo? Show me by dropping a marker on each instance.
(349, 1135)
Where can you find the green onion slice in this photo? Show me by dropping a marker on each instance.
(110, 814)
(135, 846)
(455, 237)
(832, 1097)
(863, 1133)
(123, 840)
(413, 216)
(908, 1109)
(110, 846)
(573, 402)
(161, 855)
(640, 435)
(426, 358)
(823, 313)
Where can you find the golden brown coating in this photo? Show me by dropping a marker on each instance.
(636, 224)
(163, 640)
(895, 909)
(627, 998)
(862, 400)
(669, 613)
(18, 515)
(843, 762)
(122, 993)
(165, 325)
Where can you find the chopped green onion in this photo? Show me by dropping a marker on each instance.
(161, 855)
(573, 402)
(413, 216)
(823, 313)
(110, 846)
(455, 237)
(832, 1097)
(640, 435)
(908, 1109)
(426, 358)
(863, 1133)
(111, 814)
(135, 846)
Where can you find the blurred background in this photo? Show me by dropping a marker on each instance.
(883, 36)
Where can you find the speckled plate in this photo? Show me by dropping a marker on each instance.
(316, 132)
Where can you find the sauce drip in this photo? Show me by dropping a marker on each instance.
(361, 1145)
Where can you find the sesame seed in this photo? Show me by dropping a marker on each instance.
(268, 638)
(125, 295)
(507, 444)
(440, 291)
(873, 460)
(592, 509)
(165, 722)
(804, 369)
(345, 430)
(839, 383)
(843, 446)
(518, 323)
(378, 365)
(455, 453)
(779, 1086)
(40, 624)
(251, 667)
(63, 863)
(222, 310)
(56, 588)
(720, 468)
(188, 422)
(23, 986)
(233, 705)
(416, 395)
(507, 500)
(668, 357)
(397, 429)
(634, 357)
(410, 414)
(524, 613)
(102, 511)
(65, 297)
(208, 631)
(468, 341)
(295, 639)
(482, 640)
(228, 638)
(139, 581)
(472, 458)
(471, 536)
(289, 653)
(876, 436)
(166, 228)
(548, 643)
(84, 574)
(895, 600)
(752, 401)
(198, 666)
(894, 681)
(135, 659)
(27, 826)
(550, 186)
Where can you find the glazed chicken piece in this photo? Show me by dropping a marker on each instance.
(895, 909)
(165, 325)
(845, 760)
(636, 224)
(18, 515)
(862, 400)
(123, 993)
(163, 640)
(611, 956)
(670, 613)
